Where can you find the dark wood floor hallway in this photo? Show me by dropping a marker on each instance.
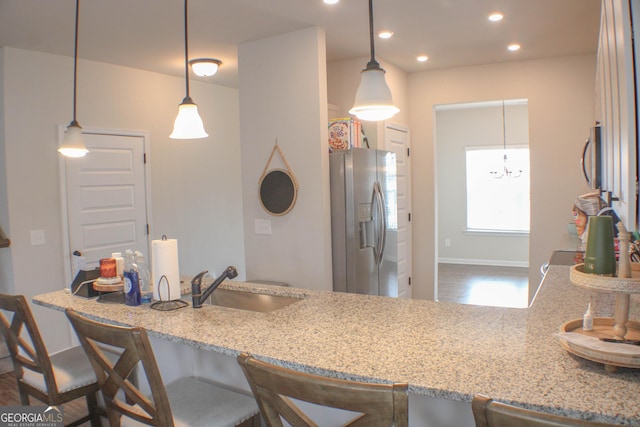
(483, 285)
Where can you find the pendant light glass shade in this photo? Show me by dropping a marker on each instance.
(188, 124)
(373, 97)
(73, 141)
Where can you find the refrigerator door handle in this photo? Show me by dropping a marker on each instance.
(381, 223)
(376, 233)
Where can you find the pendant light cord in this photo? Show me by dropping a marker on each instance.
(505, 172)
(372, 64)
(75, 63)
(186, 49)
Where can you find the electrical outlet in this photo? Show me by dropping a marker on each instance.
(37, 237)
(262, 226)
(447, 242)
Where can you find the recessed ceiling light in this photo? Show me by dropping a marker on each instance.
(422, 58)
(496, 16)
(385, 34)
(513, 47)
(330, 1)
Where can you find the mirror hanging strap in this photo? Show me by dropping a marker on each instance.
(276, 147)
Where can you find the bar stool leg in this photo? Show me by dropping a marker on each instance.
(24, 396)
(92, 406)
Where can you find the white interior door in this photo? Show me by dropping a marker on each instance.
(396, 139)
(106, 197)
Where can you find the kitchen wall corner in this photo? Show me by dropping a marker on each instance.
(284, 95)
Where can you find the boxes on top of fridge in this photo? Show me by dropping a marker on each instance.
(344, 133)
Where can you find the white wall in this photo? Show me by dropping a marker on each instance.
(284, 95)
(458, 127)
(196, 191)
(561, 110)
(6, 270)
(343, 79)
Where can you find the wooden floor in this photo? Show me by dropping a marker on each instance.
(483, 285)
(9, 396)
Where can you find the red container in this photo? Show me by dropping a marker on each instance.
(108, 268)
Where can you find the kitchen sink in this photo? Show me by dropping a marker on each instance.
(249, 301)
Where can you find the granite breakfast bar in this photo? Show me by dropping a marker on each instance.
(446, 352)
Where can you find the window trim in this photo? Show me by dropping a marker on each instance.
(483, 232)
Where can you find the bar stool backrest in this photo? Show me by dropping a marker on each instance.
(114, 377)
(25, 344)
(488, 413)
(273, 386)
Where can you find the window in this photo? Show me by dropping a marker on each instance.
(497, 204)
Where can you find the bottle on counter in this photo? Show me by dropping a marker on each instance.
(131, 280)
(587, 319)
(119, 263)
(144, 276)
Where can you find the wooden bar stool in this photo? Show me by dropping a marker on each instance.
(53, 379)
(184, 402)
(488, 413)
(273, 386)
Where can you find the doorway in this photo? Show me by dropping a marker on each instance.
(397, 140)
(482, 191)
(106, 197)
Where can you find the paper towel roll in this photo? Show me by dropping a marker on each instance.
(164, 265)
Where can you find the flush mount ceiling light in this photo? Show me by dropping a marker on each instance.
(495, 16)
(188, 124)
(331, 1)
(73, 142)
(513, 47)
(385, 34)
(422, 58)
(205, 67)
(373, 97)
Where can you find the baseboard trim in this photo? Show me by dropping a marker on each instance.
(490, 262)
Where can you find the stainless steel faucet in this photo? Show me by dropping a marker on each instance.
(197, 297)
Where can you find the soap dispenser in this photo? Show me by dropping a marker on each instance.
(587, 319)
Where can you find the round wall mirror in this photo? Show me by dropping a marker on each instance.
(278, 192)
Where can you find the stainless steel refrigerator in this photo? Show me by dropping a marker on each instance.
(364, 221)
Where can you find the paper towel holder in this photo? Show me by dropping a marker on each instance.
(169, 304)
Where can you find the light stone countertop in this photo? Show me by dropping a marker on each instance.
(443, 350)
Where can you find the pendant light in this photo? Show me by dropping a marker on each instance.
(73, 142)
(505, 172)
(188, 124)
(373, 97)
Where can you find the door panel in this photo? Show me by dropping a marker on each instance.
(397, 141)
(106, 197)
(388, 269)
